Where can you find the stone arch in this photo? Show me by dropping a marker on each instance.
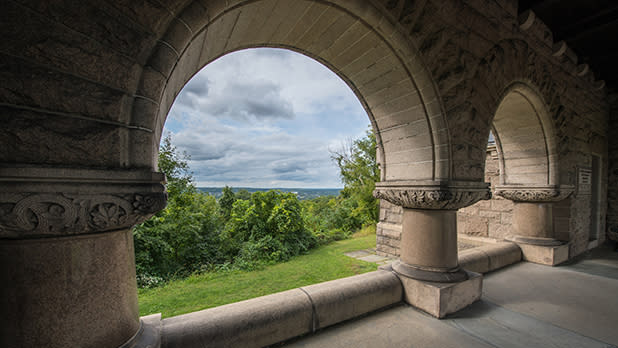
(353, 39)
(514, 95)
(525, 138)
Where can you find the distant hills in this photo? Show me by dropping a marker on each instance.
(302, 193)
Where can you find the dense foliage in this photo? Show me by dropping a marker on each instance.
(359, 172)
(197, 233)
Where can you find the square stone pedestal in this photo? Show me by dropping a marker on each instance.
(441, 299)
(544, 255)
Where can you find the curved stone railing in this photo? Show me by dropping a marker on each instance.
(278, 317)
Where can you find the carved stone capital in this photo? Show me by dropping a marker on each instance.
(66, 203)
(432, 195)
(540, 194)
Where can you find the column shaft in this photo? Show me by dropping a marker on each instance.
(72, 291)
(533, 223)
(429, 239)
(429, 246)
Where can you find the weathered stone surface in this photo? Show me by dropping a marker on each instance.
(273, 318)
(347, 298)
(545, 255)
(88, 279)
(253, 323)
(534, 194)
(53, 91)
(29, 137)
(68, 202)
(430, 195)
(441, 299)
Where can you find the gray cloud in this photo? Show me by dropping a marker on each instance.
(195, 90)
(251, 99)
(198, 87)
(266, 120)
(287, 167)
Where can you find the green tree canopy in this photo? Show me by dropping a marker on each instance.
(226, 201)
(174, 165)
(359, 171)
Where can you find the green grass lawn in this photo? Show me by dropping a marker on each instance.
(215, 289)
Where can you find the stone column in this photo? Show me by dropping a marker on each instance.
(428, 250)
(533, 226)
(67, 268)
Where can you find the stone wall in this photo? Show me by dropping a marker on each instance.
(612, 187)
(490, 218)
(388, 231)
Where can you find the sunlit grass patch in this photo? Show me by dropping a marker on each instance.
(213, 289)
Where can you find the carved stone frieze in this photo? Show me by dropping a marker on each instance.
(449, 196)
(46, 202)
(535, 193)
(33, 214)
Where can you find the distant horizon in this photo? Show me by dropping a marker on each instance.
(274, 187)
(300, 192)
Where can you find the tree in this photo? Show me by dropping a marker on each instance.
(184, 237)
(243, 194)
(268, 227)
(226, 202)
(174, 165)
(359, 172)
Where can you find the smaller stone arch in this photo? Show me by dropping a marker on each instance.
(525, 138)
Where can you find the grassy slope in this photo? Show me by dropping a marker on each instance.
(215, 289)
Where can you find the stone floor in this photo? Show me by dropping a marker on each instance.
(370, 255)
(524, 305)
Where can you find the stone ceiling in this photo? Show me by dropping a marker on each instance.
(589, 27)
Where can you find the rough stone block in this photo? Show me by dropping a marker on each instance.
(441, 299)
(483, 204)
(501, 204)
(475, 225)
(385, 250)
(74, 142)
(389, 230)
(544, 255)
(506, 218)
(498, 230)
(493, 215)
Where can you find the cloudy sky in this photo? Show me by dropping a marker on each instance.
(265, 118)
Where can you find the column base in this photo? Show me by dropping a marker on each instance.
(544, 255)
(449, 276)
(148, 335)
(441, 299)
(548, 242)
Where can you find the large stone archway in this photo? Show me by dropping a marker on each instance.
(353, 39)
(86, 90)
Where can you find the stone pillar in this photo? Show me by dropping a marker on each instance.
(533, 227)
(429, 246)
(428, 253)
(67, 268)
